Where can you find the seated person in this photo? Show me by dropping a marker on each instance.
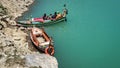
(44, 16)
(54, 16)
(65, 11)
(50, 17)
(59, 15)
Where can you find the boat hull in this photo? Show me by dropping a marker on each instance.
(44, 46)
(36, 23)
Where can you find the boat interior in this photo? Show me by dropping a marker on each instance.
(40, 38)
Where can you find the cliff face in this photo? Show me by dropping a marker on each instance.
(15, 48)
(16, 7)
(13, 9)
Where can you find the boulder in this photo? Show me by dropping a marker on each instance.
(40, 60)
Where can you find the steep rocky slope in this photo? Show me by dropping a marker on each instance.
(15, 48)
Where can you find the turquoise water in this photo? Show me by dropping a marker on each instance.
(91, 36)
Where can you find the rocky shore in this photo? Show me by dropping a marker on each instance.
(15, 48)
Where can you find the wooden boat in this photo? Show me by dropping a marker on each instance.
(37, 23)
(42, 41)
(41, 22)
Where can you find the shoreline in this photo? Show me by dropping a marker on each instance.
(14, 44)
(32, 4)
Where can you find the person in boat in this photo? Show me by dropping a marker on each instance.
(54, 16)
(65, 9)
(50, 17)
(65, 12)
(45, 16)
(59, 15)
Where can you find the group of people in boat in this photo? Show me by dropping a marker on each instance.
(56, 15)
(51, 17)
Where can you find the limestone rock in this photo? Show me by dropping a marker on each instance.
(14, 46)
(16, 7)
(41, 60)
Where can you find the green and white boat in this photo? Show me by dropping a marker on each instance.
(38, 23)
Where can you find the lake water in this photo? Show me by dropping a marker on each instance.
(91, 36)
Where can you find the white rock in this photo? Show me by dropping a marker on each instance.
(43, 60)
